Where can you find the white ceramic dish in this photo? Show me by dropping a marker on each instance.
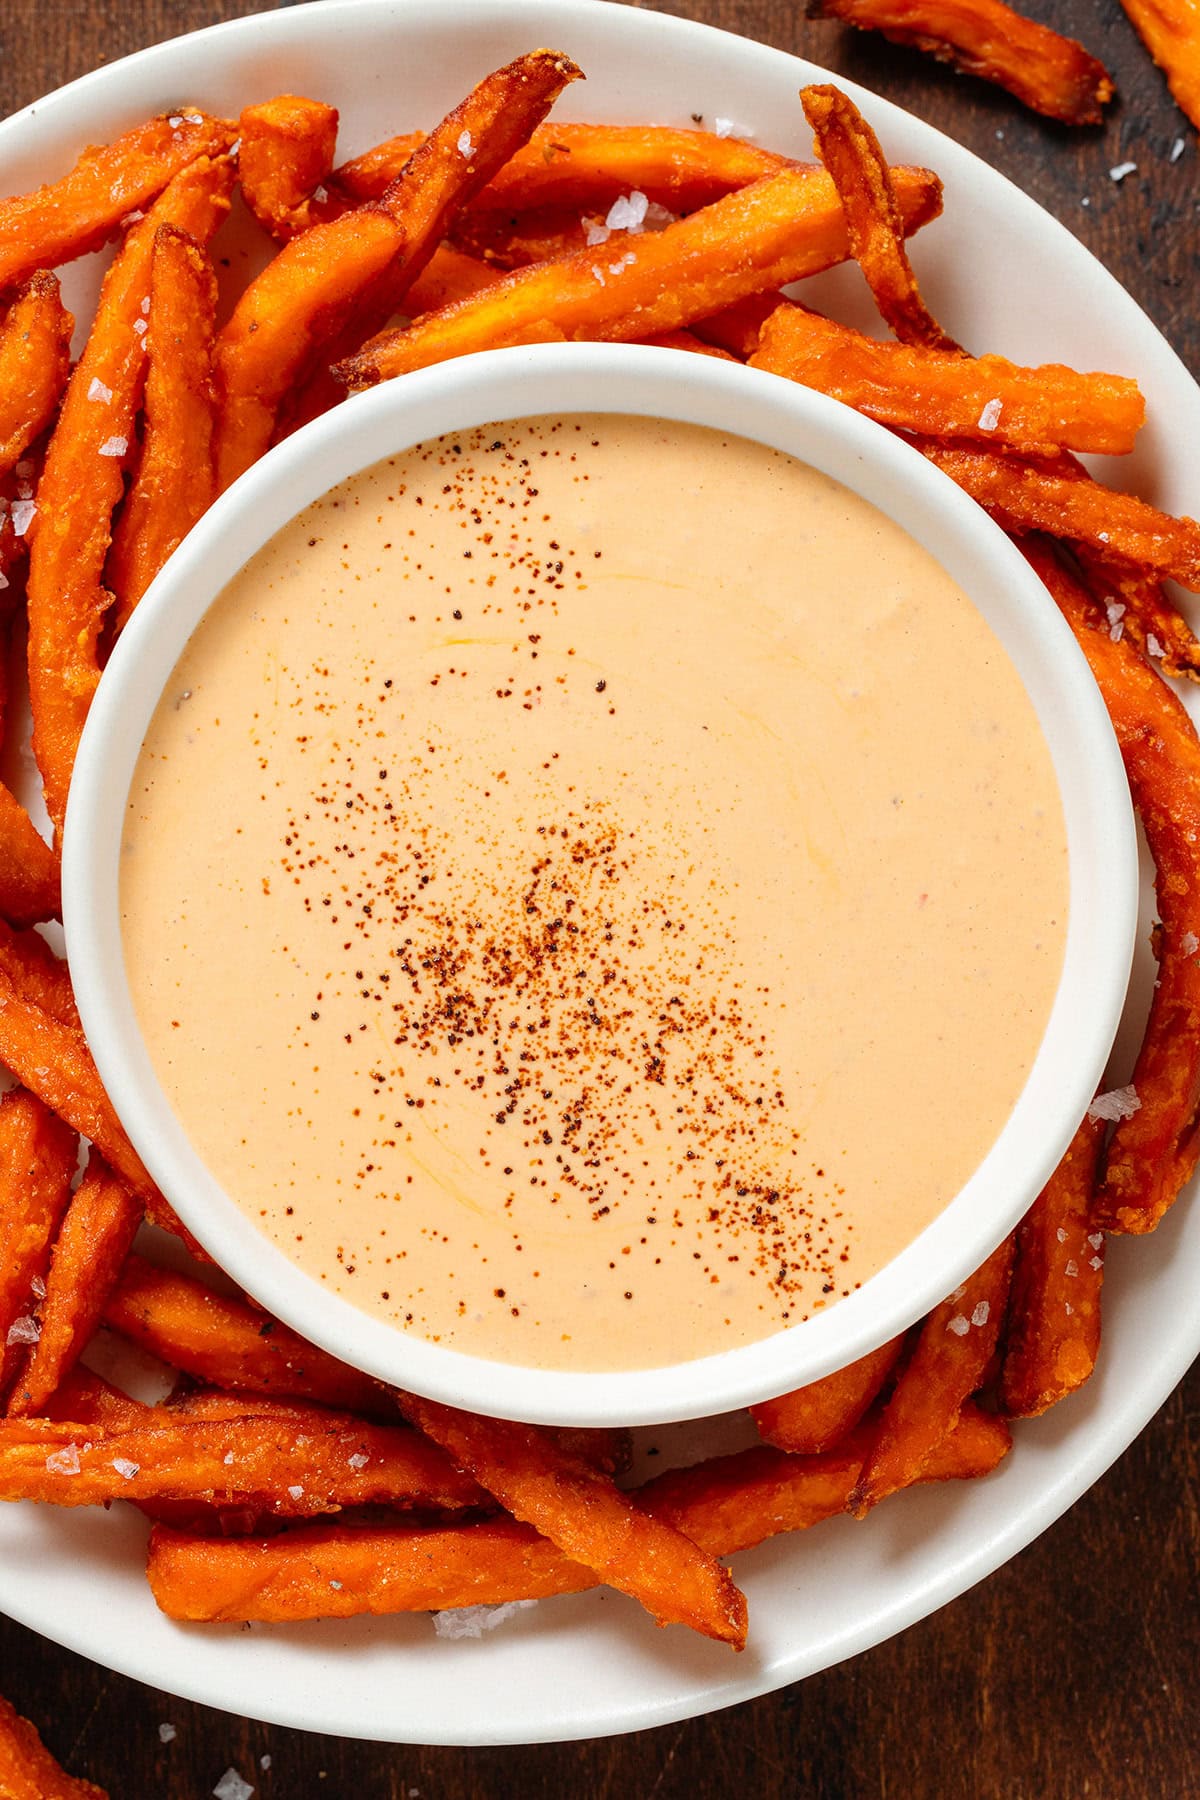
(589, 378)
(1004, 276)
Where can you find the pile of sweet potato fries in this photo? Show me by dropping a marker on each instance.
(281, 1484)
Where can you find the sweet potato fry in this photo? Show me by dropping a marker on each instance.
(542, 1484)
(1153, 1150)
(285, 152)
(1049, 73)
(367, 258)
(508, 241)
(1052, 1333)
(329, 1571)
(775, 231)
(1142, 608)
(37, 1162)
(587, 167)
(282, 1465)
(54, 1062)
(951, 1354)
(175, 482)
(1170, 30)
(85, 1398)
(94, 1239)
(818, 1417)
(84, 209)
(27, 1769)
(450, 276)
(29, 876)
(1026, 494)
(228, 1344)
(84, 479)
(35, 360)
(851, 152)
(37, 974)
(1035, 410)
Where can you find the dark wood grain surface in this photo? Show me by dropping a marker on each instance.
(1073, 1672)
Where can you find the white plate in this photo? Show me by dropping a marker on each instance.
(1003, 276)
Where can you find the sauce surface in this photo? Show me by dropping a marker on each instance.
(593, 891)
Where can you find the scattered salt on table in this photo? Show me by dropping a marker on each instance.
(1122, 170)
(1177, 150)
(232, 1787)
(167, 1734)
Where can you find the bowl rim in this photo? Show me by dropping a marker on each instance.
(617, 378)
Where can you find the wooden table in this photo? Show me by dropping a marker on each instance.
(1074, 1671)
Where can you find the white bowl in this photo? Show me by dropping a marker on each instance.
(891, 476)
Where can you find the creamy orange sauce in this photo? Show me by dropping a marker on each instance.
(593, 891)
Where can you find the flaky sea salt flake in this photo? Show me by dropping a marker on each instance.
(1061, 1235)
(1072, 1268)
(359, 1460)
(1122, 170)
(982, 1313)
(113, 446)
(296, 1493)
(628, 213)
(1153, 646)
(1177, 150)
(959, 1325)
(989, 418)
(1189, 943)
(175, 121)
(64, 1461)
(726, 128)
(1118, 1103)
(167, 1733)
(139, 326)
(22, 516)
(465, 146)
(473, 1621)
(594, 232)
(23, 1331)
(1095, 1239)
(232, 1787)
(98, 392)
(126, 1469)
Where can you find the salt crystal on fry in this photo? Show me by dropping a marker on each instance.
(981, 1314)
(23, 1331)
(1117, 1104)
(359, 1460)
(125, 1468)
(98, 392)
(22, 516)
(465, 146)
(113, 446)
(64, 1461)
(989, 418)
(628, 213)
(959, 1325)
